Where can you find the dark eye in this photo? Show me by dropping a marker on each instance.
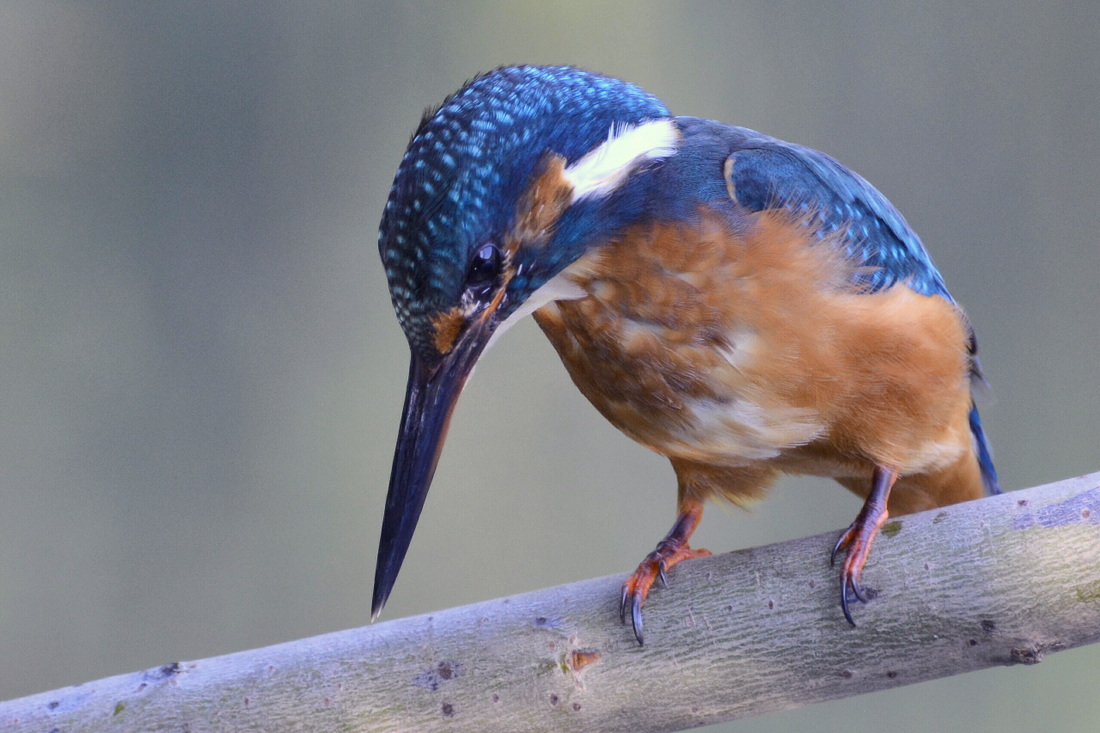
(484, 269)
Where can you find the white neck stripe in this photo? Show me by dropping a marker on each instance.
(604, 168)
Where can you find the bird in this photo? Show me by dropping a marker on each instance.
(745, 306)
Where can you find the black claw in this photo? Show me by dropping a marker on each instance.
(838, 547)
(849, 589)
(622, 605)
(844, 600)
(661, 574)
(636, 619)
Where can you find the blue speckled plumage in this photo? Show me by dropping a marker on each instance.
(694, 318)
(470, 159)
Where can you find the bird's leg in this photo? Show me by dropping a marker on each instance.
(858, 537)
(671, 550)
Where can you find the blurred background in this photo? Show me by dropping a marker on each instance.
(202, 374)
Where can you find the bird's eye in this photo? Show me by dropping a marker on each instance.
(484, 269)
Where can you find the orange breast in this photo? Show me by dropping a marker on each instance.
(732, 351)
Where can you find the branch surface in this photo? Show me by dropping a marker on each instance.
(1000, 581)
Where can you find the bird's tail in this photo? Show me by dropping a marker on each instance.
(985, 457)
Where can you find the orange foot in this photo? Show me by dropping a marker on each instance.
(670, 551)
(858, 537)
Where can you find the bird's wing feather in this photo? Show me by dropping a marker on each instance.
(767, 173)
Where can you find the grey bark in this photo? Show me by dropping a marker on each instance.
(1000, 581)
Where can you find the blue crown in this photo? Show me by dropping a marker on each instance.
(469, 161)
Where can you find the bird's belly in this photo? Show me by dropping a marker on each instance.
(729, 352)
(681, 398)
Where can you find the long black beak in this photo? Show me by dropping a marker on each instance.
(430, 399)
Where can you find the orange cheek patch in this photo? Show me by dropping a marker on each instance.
(448, 325)
(541, 205)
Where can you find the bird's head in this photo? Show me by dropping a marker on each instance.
(510, 180)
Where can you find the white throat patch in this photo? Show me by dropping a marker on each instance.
(559, 287)
(604, 168)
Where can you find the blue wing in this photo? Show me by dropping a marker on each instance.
(768, 173)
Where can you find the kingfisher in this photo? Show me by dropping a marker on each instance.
(745, 306)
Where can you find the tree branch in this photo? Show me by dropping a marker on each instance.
(999, 581)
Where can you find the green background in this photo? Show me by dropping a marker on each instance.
(202, 375)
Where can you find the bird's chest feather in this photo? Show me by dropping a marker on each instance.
(729, 348)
